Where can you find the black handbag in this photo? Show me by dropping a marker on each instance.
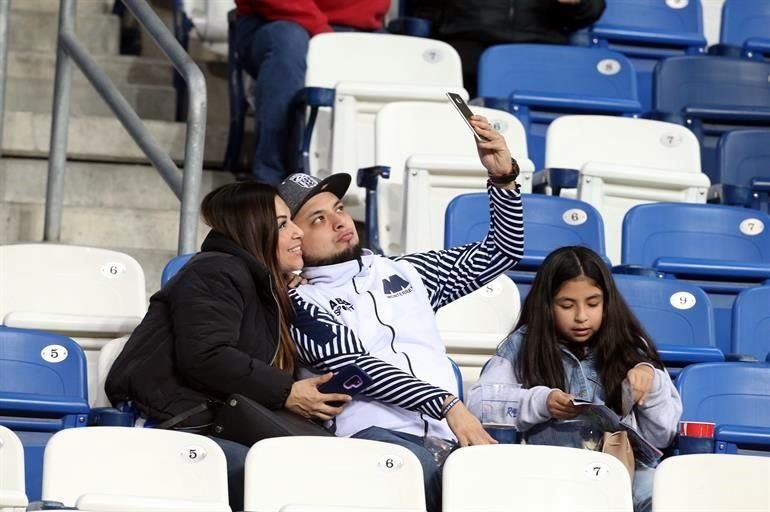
(245, 421)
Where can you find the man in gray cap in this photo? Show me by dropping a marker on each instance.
(379, 313)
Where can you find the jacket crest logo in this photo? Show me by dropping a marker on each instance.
(395, 286)
(338, 305)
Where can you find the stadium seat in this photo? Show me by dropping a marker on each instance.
(550, 222)
(743, 170)
(617, 163)
(12, 490)
(43, 389)
(92, 295)
(107, 356)
(735, 396)
(647, 32)
(206, 19)
(355, 475)
(711, 96)
(744, 30)
(722, 249)
(530, 478)
(677, 315)
(538, 83)
(432, 158)
(173, 266)
(751, 323)
(473, 326)
(345, 93)
(135, 469)
(717, 483)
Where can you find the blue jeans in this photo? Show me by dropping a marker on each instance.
(274, 54)
(235, 455)
(431, 472)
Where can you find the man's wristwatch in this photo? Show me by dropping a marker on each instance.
(508, 178)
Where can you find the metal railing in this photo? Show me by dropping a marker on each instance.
(187, 185)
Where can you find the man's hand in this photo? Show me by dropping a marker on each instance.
(560, 406)
(306, 401)
(641, 378)
(493, 151)
(466, 427)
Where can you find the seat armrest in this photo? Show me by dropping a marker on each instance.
(707, 268)
(682, 40)
(757, 44)
(720, 113)
(576, 102)
(368, 178)
(110, 417)
(687, 355)
(740, 358)
(760, 184)
(743, 435)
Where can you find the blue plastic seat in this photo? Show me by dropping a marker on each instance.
(751, 323)
(712, 96)
(744, 29)
(677, 315)
(173, 266)
(648, 31)
(43, 389)
(743, 169)
(722, 249)
(735, 396)
(550, 222)
(538, 83)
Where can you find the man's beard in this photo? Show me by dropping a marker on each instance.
(351, 253)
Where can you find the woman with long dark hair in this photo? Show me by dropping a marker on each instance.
(577, 338)
(220, 326)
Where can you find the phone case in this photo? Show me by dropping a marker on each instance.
(464, 111)
(350, 380)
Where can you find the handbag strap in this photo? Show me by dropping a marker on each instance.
(179, 418)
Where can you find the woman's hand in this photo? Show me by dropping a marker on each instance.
(493, 151)
(306, 401)
(466, 426)
(560, 405)
(294, 280)
(641, 378)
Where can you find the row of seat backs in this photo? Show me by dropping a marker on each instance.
(727, 239)
(175, 471)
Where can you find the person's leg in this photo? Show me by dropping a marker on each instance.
(430, 470)
(274, 54)
(235, 455)
(642, 488)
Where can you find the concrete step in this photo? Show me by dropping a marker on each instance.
(36, 31)
(103, 139)
(36, 95)
(96, 185)
(103, 227)
(122, 69)
(52, 6)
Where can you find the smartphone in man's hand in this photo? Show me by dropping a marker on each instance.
(464, 111)
(349, 380)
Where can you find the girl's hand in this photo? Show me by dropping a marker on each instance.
(306, 401)
(467, 427)
(560, 406)
(641, 378)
